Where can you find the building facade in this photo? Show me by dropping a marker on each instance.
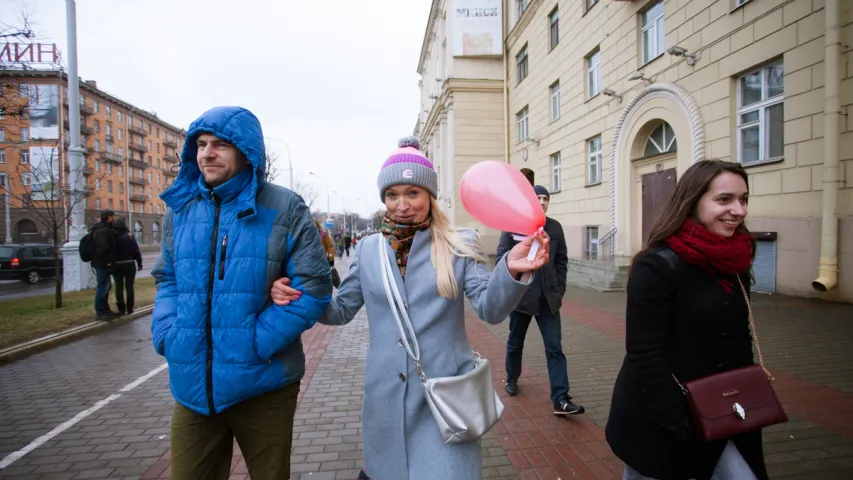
(461, 119)
(131, 157)
(610, 101)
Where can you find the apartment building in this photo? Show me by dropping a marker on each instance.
(461, 119)
(131, 155)
(610, 101)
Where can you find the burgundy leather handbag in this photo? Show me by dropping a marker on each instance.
(734, 402)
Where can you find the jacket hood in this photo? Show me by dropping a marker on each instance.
(236, 125)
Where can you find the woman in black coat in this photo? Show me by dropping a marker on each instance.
(686, 316)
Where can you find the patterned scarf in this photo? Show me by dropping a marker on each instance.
(401, 237)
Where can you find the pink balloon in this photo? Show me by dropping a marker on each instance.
(499, 196)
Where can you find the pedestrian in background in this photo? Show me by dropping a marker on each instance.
(347, 242)
(103, 262)
(127, 260)
(687, 317)
(339, 242)
(543, 301)
(235, 360)
(436, 266)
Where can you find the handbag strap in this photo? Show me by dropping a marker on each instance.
(754, 336)
(398, 308)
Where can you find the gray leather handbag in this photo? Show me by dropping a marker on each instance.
(464, 407)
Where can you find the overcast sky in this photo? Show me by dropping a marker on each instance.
(336, 79)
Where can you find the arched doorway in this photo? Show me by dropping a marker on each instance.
(647, 161)
(27, 228)
(155, 232)
(528, 173)
(137, 231)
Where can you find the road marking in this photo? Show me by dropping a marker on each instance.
(15, 456)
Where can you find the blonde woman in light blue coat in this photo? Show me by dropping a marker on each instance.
(435, 264)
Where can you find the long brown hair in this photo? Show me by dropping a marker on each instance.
(690, 188)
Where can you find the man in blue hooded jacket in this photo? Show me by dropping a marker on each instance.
(235, 359)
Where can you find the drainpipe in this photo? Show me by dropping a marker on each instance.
(504, 31)
(828, 270)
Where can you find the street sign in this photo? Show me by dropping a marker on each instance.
(330, 224)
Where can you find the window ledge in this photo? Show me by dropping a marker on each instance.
(761, 163)
(592, 97)
(588, 185)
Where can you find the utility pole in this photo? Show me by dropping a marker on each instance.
(8, 212)
(77, 275)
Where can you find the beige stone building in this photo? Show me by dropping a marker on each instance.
(461, 120)
(609, 102)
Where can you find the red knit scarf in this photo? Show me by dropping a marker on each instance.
(711, 252)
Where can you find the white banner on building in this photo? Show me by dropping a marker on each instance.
(476, 28)
(44, 111)
(44, 173)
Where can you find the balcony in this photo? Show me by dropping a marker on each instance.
(85, 191)
(110, 157)
(85, 110)
(137, 162)
(169, 173)
(137, 129)
(84, 130)
(138, 197)
(170, 143)
(109, 138)
(86, 150)
(138, 181)
(138, 147)
(85, 170)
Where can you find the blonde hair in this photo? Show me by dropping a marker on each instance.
(447, 243)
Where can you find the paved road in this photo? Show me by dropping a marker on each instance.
(12, 289)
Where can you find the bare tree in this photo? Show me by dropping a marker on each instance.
(377, 219)
(36, 188)
(307, 191)
(271, 171)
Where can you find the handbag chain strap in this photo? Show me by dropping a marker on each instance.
(398, 308)
(754, 336)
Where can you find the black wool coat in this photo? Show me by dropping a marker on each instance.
(550, 280)
(679, 321)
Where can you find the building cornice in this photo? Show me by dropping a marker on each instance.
(428, 34)
(523, 22)
(49, 74)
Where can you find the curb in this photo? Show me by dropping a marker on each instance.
(25, 349)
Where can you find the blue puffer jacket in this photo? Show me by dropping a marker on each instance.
(222, 249)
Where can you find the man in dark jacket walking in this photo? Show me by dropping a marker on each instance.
(542, 300)
(103, 263)
(348, 242)
(128, 261)
(235, 359)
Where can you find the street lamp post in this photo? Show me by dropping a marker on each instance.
(77, 276)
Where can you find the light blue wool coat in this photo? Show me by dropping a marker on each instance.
(222, 249)
(401, 439)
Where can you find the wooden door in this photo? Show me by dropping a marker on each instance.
(657, 190)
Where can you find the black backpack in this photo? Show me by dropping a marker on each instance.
(87, 248)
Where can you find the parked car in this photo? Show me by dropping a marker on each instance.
(28, 262)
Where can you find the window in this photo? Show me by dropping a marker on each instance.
(555, 101)
(23, 90)
(120, 170)
(661, 140)
(521, 64)
(119, 116)
(130, 171)
(740, 2)
(97, 184)
(159, 211)
(25, 134)
(556, 176)
(120, 188)
(590, 4)
(110, 203)
(110, 186)
(521, 120)
(761, 115)
(591, 242)
(96, 105)
(120, 151)
(149, 129)
(520, 7)
(2, 156)
(109, 115)
(131, 188)
(149, 145)
(97, 203)
(25, 157)
(97, 145)
(158, 132)
(149, 176)
(594, 160)
(26, 178)
(129, 121)
(158, 179)
(593, 73)
(118, 133)
(652, 31)
(150, 208)
(109, 129)
(97, 126)
(149, 191)
(110, 168)
(2, 135)
(121, 205)
(158, 148)
(554, 21)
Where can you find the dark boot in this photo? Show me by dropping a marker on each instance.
(512, 386)
(121, 309)
(130, 309)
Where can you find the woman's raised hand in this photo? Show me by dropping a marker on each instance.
(516, 259)
(282, 293)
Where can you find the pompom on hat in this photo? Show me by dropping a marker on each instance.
(408, 166)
